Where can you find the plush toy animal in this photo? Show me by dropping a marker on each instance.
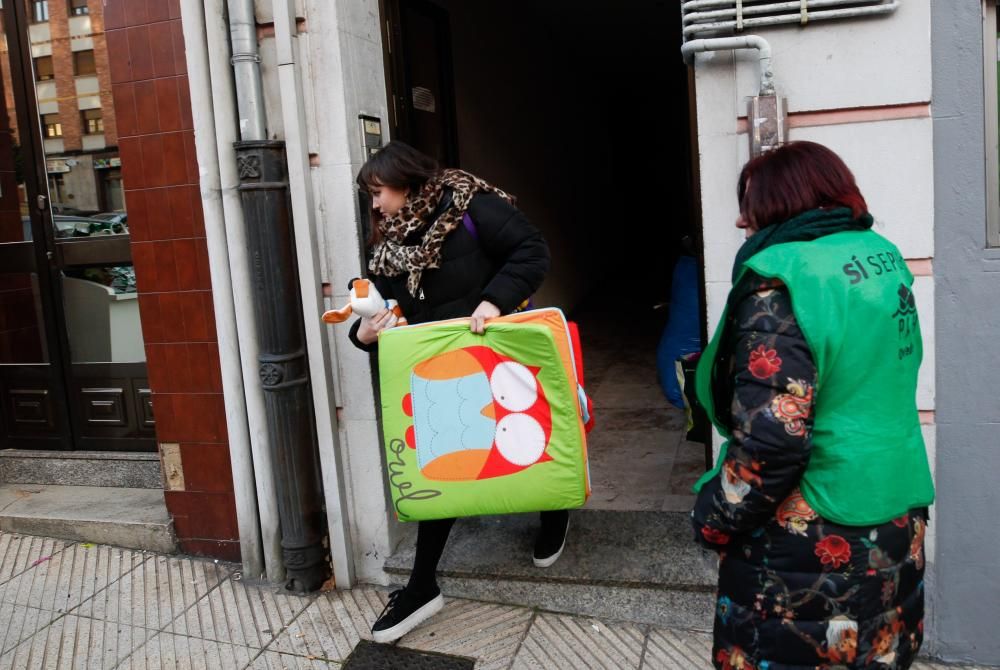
(366, 301)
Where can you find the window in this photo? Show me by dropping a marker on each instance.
(51, 126)
(39, 11)
(92, 122)
(83, 63)
(991, 36)
(78, 8)
(43, 69)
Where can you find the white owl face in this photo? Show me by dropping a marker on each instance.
(477, 415)
(520, 439)
(514, 387)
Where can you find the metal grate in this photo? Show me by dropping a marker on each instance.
(716, 18)
(370, 656)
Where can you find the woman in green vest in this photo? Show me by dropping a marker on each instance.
(818, 505)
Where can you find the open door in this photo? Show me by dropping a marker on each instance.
(420, 84)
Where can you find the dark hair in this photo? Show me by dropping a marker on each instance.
(796, 178)
(398, 165)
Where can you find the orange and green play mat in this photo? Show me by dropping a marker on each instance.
(484, 424)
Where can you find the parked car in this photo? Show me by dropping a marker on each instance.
(73, 226)
(82, 226)
(78, 226)
(114, 218)
(68, 211)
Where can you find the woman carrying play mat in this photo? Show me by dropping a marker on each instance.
(439, 266)
(818, 508)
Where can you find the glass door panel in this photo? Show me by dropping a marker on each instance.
(33, 411)
(63, 216)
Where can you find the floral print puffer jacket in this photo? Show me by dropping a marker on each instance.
(797, 591)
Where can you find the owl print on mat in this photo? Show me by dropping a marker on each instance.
(477, 414)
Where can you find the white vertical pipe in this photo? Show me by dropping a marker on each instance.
(240, 454)
(246, 68)
(307, 251)
(223, 95)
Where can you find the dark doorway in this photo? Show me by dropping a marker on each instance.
(582, 110)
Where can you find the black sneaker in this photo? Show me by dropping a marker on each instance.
(551, 540)
(403, 613)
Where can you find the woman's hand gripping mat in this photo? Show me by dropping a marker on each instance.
(482, 424)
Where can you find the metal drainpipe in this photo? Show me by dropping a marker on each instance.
(223, 97)
(744, 42)
(246, 66)
(284, 370)
(767, 114)
(307, 247)
(807, 16)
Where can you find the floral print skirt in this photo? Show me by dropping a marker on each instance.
(803, 592)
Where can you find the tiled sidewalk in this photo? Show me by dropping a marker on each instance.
(72, 605)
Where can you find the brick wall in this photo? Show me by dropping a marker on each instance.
(96, 8)
(62, 65)
(160, 172)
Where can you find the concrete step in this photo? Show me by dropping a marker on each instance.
(123, 517)
(81, 468)
(634, 566)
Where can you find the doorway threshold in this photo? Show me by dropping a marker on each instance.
(629, 566)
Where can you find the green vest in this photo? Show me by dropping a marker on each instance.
(851, 296)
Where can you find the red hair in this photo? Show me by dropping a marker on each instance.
(795, 178)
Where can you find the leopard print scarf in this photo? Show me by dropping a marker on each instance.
(392, 257)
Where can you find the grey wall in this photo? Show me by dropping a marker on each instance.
(967, 589)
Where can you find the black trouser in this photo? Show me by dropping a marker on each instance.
(432, 537)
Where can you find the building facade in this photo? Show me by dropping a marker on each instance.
(621, 153)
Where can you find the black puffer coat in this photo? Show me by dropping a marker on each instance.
(795, 590)
(504, 263)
